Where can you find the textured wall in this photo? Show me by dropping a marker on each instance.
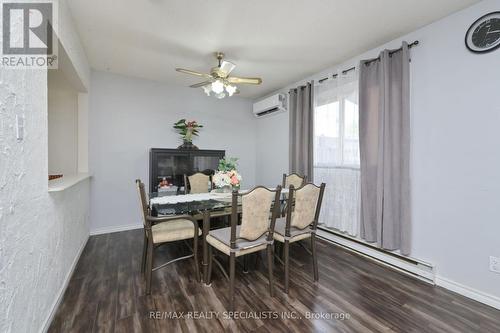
(40, 233)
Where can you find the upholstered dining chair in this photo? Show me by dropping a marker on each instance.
(303, 208)
(292, 179)
(163, 230)
(254, 234)
(197, 183)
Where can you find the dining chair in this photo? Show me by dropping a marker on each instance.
(255, 233)
(293, 179)
(303, 208)
(197, 183)
(163, 230)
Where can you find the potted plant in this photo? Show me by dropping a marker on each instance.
(187, 129)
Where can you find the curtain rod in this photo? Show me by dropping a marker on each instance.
(345, 71)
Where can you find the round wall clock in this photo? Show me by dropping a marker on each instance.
(484, 34)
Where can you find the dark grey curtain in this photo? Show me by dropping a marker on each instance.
(384, 133)
(301, 126)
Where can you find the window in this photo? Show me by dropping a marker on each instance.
(336, 126)
(350, 137)
(336, 152)
(327, 134)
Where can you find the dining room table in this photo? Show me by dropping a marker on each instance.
(202, 206)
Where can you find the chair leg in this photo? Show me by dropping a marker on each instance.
(195, 256)
(149, 267)
(315, 257)
(245, 263)
(209, 272)
(270, 261)
(280, 249)
(232, 263)
(286, 261)
(144, 251)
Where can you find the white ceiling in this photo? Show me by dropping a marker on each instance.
(281, 41)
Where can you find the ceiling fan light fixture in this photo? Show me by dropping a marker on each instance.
(220, 95)
(218, 81)
(230, 89)
(217, 86)
(207, 89)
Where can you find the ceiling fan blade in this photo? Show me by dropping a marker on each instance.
(201, 84)
(190, 72)
(244, 80)
(226, 67)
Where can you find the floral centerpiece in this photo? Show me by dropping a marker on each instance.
(226, 178)
(187, 129)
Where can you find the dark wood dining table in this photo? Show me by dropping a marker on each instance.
(211, 205)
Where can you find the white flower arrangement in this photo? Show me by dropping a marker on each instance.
(226, 178)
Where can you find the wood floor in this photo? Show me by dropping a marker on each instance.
(106, 294)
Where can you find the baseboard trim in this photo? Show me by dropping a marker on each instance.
(420, 270)
(62, 290)
(108, 230)
(468, 292)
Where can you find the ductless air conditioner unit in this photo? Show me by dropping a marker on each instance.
(270, 105)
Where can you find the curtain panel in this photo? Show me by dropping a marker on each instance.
(301, 113)
(384, 129)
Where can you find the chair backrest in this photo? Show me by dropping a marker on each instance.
(197, 183)
(143, 200)
(293, 179)
(304, 205)
(255, 214)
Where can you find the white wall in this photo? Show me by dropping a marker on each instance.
(41, 233)
(455, 139)
(63, 124)
(272, 149)
(129, 116)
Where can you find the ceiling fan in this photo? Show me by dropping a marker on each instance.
(218, 82)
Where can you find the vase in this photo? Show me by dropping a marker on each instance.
(224, 189)
(187, 145)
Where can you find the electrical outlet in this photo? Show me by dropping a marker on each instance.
(495, 264)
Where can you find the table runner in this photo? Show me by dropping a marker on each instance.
(173, 199)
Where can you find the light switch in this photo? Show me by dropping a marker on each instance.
(20, 127)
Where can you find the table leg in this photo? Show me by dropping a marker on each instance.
(206, 229)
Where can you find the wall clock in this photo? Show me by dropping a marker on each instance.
(484, 34)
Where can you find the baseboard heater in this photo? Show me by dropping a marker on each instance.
(413, 267)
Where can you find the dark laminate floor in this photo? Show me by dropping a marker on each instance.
(106, 294)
